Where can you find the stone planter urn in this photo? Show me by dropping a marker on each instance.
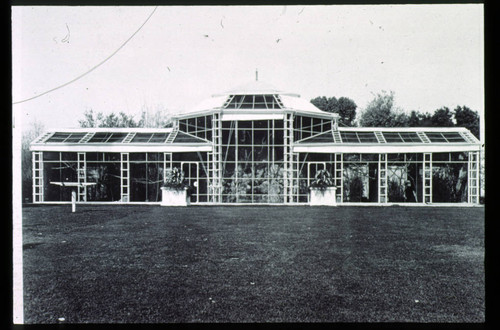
(174, 197)
(325, 196)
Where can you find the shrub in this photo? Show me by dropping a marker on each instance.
(355, 189)
(395, 191)
(174, 180)
(322, 180)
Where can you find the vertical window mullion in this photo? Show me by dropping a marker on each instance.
(251, 160)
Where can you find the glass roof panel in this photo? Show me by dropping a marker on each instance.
(435, 136)
(325, 137)
(116, 137)
(61, 137)
(149, 138)
(368, 137)
(392, 137)
(401, 137)
(75, 137)
(186, 138)
(358, 137)
(453, 137)
(107, 137)
(410, 137)
(58, 137)
(158, 137)
(349, 137)
(141, 137)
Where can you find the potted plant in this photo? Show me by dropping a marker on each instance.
(323, 192)
(175, 192)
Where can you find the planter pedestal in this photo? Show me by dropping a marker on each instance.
(172, 197)
(323, 197)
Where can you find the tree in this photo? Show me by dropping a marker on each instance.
(400, 119)
(344, 107)
(442, 118)
(465, 117)
(381, 112)
(111, 120)
(347, 111)
(155, 116)
(149, 118)
(418, 119)
(324, 103)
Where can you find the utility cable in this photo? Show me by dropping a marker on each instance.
(93, 68)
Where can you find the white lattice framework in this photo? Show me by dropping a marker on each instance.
(37, 177)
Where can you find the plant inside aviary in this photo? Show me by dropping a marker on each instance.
(174, 180)
(322, 180)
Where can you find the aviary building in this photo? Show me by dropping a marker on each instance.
(258, 145)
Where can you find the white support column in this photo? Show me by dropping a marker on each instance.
(295, 164)
(427, 177)
(339, 176)
(125, 177)
(290, 179)
(285, 158)
(37, 176)
(382, 178)
(473, 178)
(82, 177)
(215, 167)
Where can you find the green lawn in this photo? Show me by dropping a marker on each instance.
(151, 264)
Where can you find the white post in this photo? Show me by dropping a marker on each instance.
(73, 200)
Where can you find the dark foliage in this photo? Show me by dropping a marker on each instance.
(467, 118)
(356, 189)
(442, 118)
(322, 180)
(395, 192)
(175, 180)
(344, 107)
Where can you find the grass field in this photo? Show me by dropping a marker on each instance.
(151, 264)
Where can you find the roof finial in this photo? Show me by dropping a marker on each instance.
(256, 75)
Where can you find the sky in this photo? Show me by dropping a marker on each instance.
(430, 56)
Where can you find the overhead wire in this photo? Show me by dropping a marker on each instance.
(94, 67)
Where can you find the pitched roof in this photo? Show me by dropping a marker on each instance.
(407, 135)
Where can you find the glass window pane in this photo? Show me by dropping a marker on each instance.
(112, 157)
(137, 156)
(48, 155)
